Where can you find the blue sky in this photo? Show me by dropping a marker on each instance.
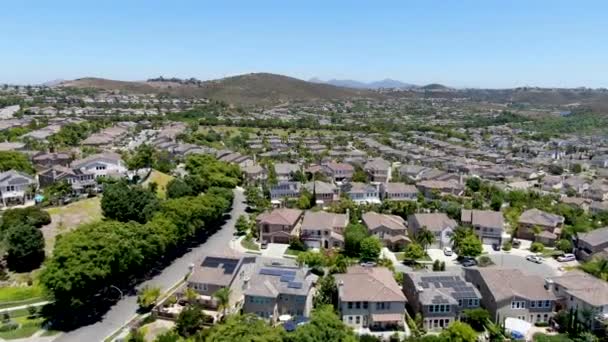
(483, 43)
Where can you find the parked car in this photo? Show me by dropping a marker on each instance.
(535, 259)
(496, 247)
(447, 251)
(516, 243)
(566, 257)
(264, 244)
(468, 262)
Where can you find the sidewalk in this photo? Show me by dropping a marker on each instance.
(13, 308)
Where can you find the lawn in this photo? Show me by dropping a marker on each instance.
(250, 244)
(292, 252)
(24, 295)
(162, 179)
(27, 327)
(68, 217)
(540, 337)
(400, 256)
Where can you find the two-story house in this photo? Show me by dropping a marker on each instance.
(547, 225)
(582, 293)
(398, 192)
(321, 229)
(323, 192)
(370, 298)
(339, 172)
(488, 225)
(378, 169)
(507, 292)
(285, 171)
(106, 164)
(81, 180)
(279, 225)
(592, 243)
(47, 160)
(432, 188)
(362, 192)
(254, 173)
(275, 289)
(284, 189)
(439, 224)
(440, 297)
(390, 229)
(16, 187)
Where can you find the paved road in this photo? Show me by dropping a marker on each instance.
(122, 311)
(520, 262)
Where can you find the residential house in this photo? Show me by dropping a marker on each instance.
(321, 229)
(439, 224)
(16, 187)
(509, 292)
(440, 297)
(339, 172)
(577, 184)
(597, 207)
(487, 225)
(215, 272)
(279, 225)
(552, 183)
(101, 165)
(378, 169)
(390, 229)
(398, 192)
(46, 160)
(582, 293)
(254, 173)
(589, 244)
(275, 290)
(284, 189)
(324, 193)
(362, 192)
(285, 171)
(598, 190)
(538, 225)
(432, 188)
(413, 172)
(370, 298)
(81, 181)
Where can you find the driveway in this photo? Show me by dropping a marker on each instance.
(125, 309)
(274, 250)
(516, 261)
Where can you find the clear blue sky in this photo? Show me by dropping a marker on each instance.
(483, 43)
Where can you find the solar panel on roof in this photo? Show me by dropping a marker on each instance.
(294, 285)
(287, 277)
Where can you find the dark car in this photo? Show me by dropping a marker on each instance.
(468, 262)
(264, 244)
(496, 247)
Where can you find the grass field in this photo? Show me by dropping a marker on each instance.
(27, 327)
(249, 244)
(26, 294)
(162, 179)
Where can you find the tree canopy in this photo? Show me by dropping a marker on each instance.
(12, 160)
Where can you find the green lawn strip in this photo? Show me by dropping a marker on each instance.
(249, 244)
(30, 301)
(540, 337)
(292, 252)
(20, 293)
(28, 326)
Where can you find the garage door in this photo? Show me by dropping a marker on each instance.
(281, 239)
(490, 241)
(313, 244)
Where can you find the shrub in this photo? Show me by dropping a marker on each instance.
(541, 324)
(537, 247)
(485, 260)
(8, 326)
(297, 245)
(507, 246)
(564, 245)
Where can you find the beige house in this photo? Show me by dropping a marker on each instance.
(278, 225)
(511, 293)
(549, 225)
(323, 230)
(439, 224)
(378, 169)
(488, 225)
(390, 229)
(370, 298)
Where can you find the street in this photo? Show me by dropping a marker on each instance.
(126, 308)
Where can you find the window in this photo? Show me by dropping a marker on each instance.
(204, 287)
(460, 302)
(388, 306)
(358, 306)
(532, 304)
(358, 319)
(547, 303)
(365, 305)
(350, 319)
(350, 305)
(539, 304)
(431, 308)
(545, 318)
(470, 302)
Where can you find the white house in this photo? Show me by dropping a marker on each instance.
(102, 164)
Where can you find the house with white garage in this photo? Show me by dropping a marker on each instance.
(16, 187)
(105, 164)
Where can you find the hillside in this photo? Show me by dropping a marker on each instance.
(248, 89)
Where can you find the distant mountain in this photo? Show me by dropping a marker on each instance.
(386, 83)
(247, 89)
(435, 86)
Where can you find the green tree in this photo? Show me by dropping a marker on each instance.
(473, 183)
(370, 248)
(470, 246)
(124, 203)
(564, 245)
(242, 225)
(31, 215)
(476, 318)
(459, 332)
(223, 299)
(25, 247)
(327, 293)
(143, 157)
(324, 325)
(148, 296)
(244, 328)
(577, 168)
(169, 336)
(414, 251)
(177, 187)
(136, 336)
(311, 259)
(11, 160)
(190, 320)
(424, 237)
(359, 175)
(353, 235)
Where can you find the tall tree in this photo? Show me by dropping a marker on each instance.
(25, 247)
(424, 237)
(370, 248)
(223, 299)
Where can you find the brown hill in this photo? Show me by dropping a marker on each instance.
(248, 89)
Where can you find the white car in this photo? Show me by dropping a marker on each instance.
(535, 259)
(447, 251)
(566, 257)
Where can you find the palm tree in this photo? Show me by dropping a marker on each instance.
(223, 299)
(424, 237)
(191, 295)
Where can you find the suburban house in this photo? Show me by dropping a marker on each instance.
(440, 297)
(285, 171)
(488, 225)
(274, 290)
(80, 181)
(101, 165)
(218, 271)
(370, 298)
(321, 229)
(577, 184)
(413, 172)
(581, 293)
(362, 192)
(533, 221)
(589, 244)
(432, 188)
(16, 187)
(278, 225)
(552, 183)
(598, 207)
(398, 192)
(378, 169)
(439, 224)
(339, 172)
(390, 229)
(46, 160)
(254, 173)
(324, 193)
(284, 190)
(507, 292)
(598, 190)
